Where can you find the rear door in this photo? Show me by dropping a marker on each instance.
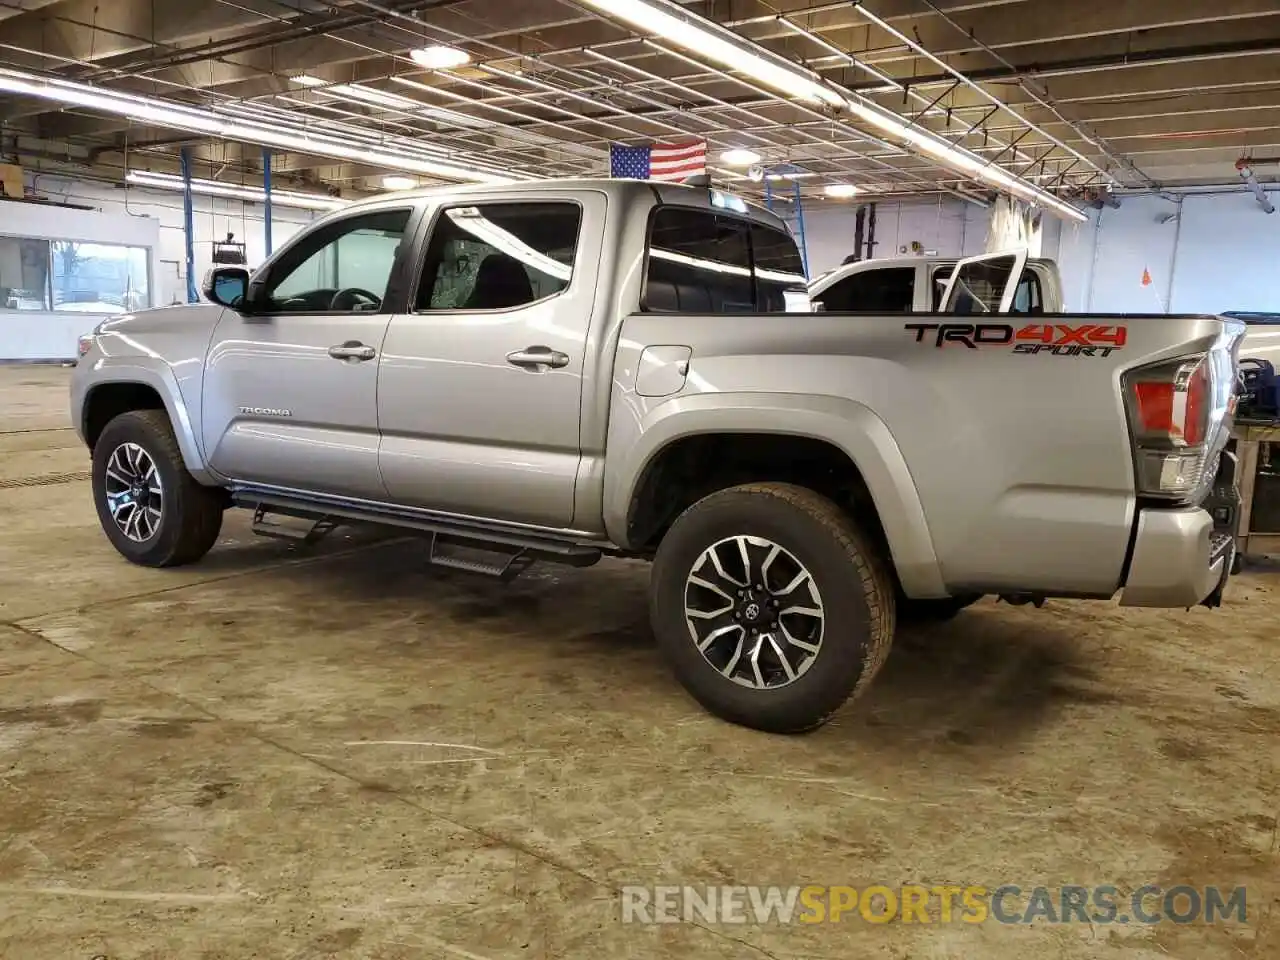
(985, 284)
(480, 384)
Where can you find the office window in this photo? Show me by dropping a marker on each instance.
(99, 277)
(891, 290)
(24, 274)
(499, 256)
(699, 263)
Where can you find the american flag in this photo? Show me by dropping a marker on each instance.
(673, 162)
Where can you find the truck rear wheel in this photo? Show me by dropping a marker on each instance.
(771, 606)
(151, 509)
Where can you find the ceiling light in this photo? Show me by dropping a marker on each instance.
(700, 36)
(739, 157)
(454, 118)
(709, 41)
(841, 190)
(438, 57)
(398, 183)
(390, 155)
(379, 98)
(234, 191)
(307, 80)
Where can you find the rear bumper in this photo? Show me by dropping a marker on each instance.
(1182, 558)
(1179, 560)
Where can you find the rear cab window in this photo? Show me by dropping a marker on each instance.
(705, 262)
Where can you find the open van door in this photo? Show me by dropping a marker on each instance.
(985, 284)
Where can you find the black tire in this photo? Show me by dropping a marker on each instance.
(852, 578)
(934, 610)
(190, 514)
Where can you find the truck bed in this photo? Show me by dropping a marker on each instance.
(996, 443)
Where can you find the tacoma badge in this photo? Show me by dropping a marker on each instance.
(266, 411)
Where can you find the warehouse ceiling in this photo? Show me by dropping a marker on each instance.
(1072, 96)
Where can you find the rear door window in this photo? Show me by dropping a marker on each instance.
(499, 256)
(891, 290)
(698, 263)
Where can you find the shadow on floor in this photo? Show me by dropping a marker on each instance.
(990, 677)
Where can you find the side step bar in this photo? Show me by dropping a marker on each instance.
(451, 544)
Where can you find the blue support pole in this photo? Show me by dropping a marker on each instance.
(188, 226)
(266, 205)
(804, 247)
(768, 191)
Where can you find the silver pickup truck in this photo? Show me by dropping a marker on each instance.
(566, 370)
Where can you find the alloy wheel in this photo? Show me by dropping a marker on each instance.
(134, 492)
(754, 612)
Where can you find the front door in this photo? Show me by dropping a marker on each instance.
(290, 396)
(984, 284)
(480, 386)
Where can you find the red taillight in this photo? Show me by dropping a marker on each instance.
(1171, 402)
(1155, 407)
(1171, 410)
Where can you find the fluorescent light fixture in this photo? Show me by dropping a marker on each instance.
(369, 95)
(395, 182)
(401, 155)
(439, 57)
(739, 157)
(700, 36)
(394, 101)
(307, 80)
(454, 118)
(840, 190)
(708, 41)
(234, 191)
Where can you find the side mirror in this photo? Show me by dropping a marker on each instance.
(227, 286)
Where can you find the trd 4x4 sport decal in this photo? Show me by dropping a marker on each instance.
(1056, 339)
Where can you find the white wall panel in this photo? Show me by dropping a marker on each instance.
(134, 216)
(951, 227)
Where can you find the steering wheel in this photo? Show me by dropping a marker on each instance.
(350, 297)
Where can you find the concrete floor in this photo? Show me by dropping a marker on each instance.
(340, 753)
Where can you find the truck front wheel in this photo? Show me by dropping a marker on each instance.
(771, 606)
(151, 509)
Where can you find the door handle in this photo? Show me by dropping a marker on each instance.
(353, 351)
(538, 358)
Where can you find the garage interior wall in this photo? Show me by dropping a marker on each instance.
(951, 227)
(1200, 252)
(135, 216)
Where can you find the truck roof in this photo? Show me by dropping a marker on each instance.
(672, 193)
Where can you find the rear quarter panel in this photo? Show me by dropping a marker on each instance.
(1019, 465)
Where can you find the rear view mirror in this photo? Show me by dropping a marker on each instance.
(227, 286)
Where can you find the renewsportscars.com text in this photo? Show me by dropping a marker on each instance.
(917, 903)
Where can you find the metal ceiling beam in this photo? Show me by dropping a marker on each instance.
(1005, 28)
